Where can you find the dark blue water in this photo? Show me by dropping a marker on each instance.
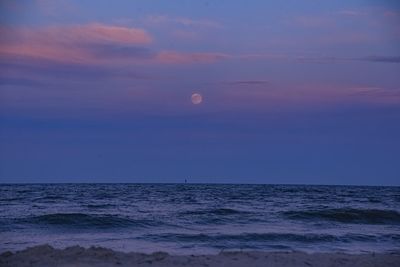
(201, 218)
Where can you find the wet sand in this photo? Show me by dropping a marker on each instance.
(46, 255)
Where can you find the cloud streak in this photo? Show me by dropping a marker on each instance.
(376, 94)
(89, 33)
(178, 57)
(112, 45)
(187, 22)
(93, 44)
(249, 82)
(382, 59)
(352, 13)
(72, 44)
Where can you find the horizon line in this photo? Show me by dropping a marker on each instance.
(196, 183)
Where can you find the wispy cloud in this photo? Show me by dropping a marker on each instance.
(352, 13)
(108, 44)
(291, 96)
(376, 94)
(96, 33)
(67, 43)
(335, 59)
(188, 22)
(92, 44)
(382, 59)
(179, 57)
(249, 82)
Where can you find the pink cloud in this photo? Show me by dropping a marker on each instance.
(89, 33)
(49, 52)
(173, 57)
(67, 43)
(270, 96)
(93, 44)
(391, 14)
(188, 22)
(105, 33)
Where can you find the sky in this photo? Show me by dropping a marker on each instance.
(295, 91)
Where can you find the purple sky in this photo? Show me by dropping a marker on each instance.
(293, 91)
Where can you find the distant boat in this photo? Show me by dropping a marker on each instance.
(185, 181)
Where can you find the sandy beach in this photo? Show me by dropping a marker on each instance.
(46, 255)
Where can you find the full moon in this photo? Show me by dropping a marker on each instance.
(197, 98)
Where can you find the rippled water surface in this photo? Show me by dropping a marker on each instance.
(201, 218)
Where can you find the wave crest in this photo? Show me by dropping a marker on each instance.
(219, 212)
(266, 238)
(81, 220)
(348, 215)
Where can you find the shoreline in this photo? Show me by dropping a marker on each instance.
(45, 255)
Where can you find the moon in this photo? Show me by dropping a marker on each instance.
(197, 98)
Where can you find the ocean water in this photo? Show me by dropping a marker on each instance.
(201, 218)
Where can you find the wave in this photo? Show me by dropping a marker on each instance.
(80, 221)
(11, 199)
(219, 212)
(247, 237)
(48, 199)
(267, 237)
(100, 206)
(216, 216)
(348, 215)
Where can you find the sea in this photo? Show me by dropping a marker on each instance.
(201, 218)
